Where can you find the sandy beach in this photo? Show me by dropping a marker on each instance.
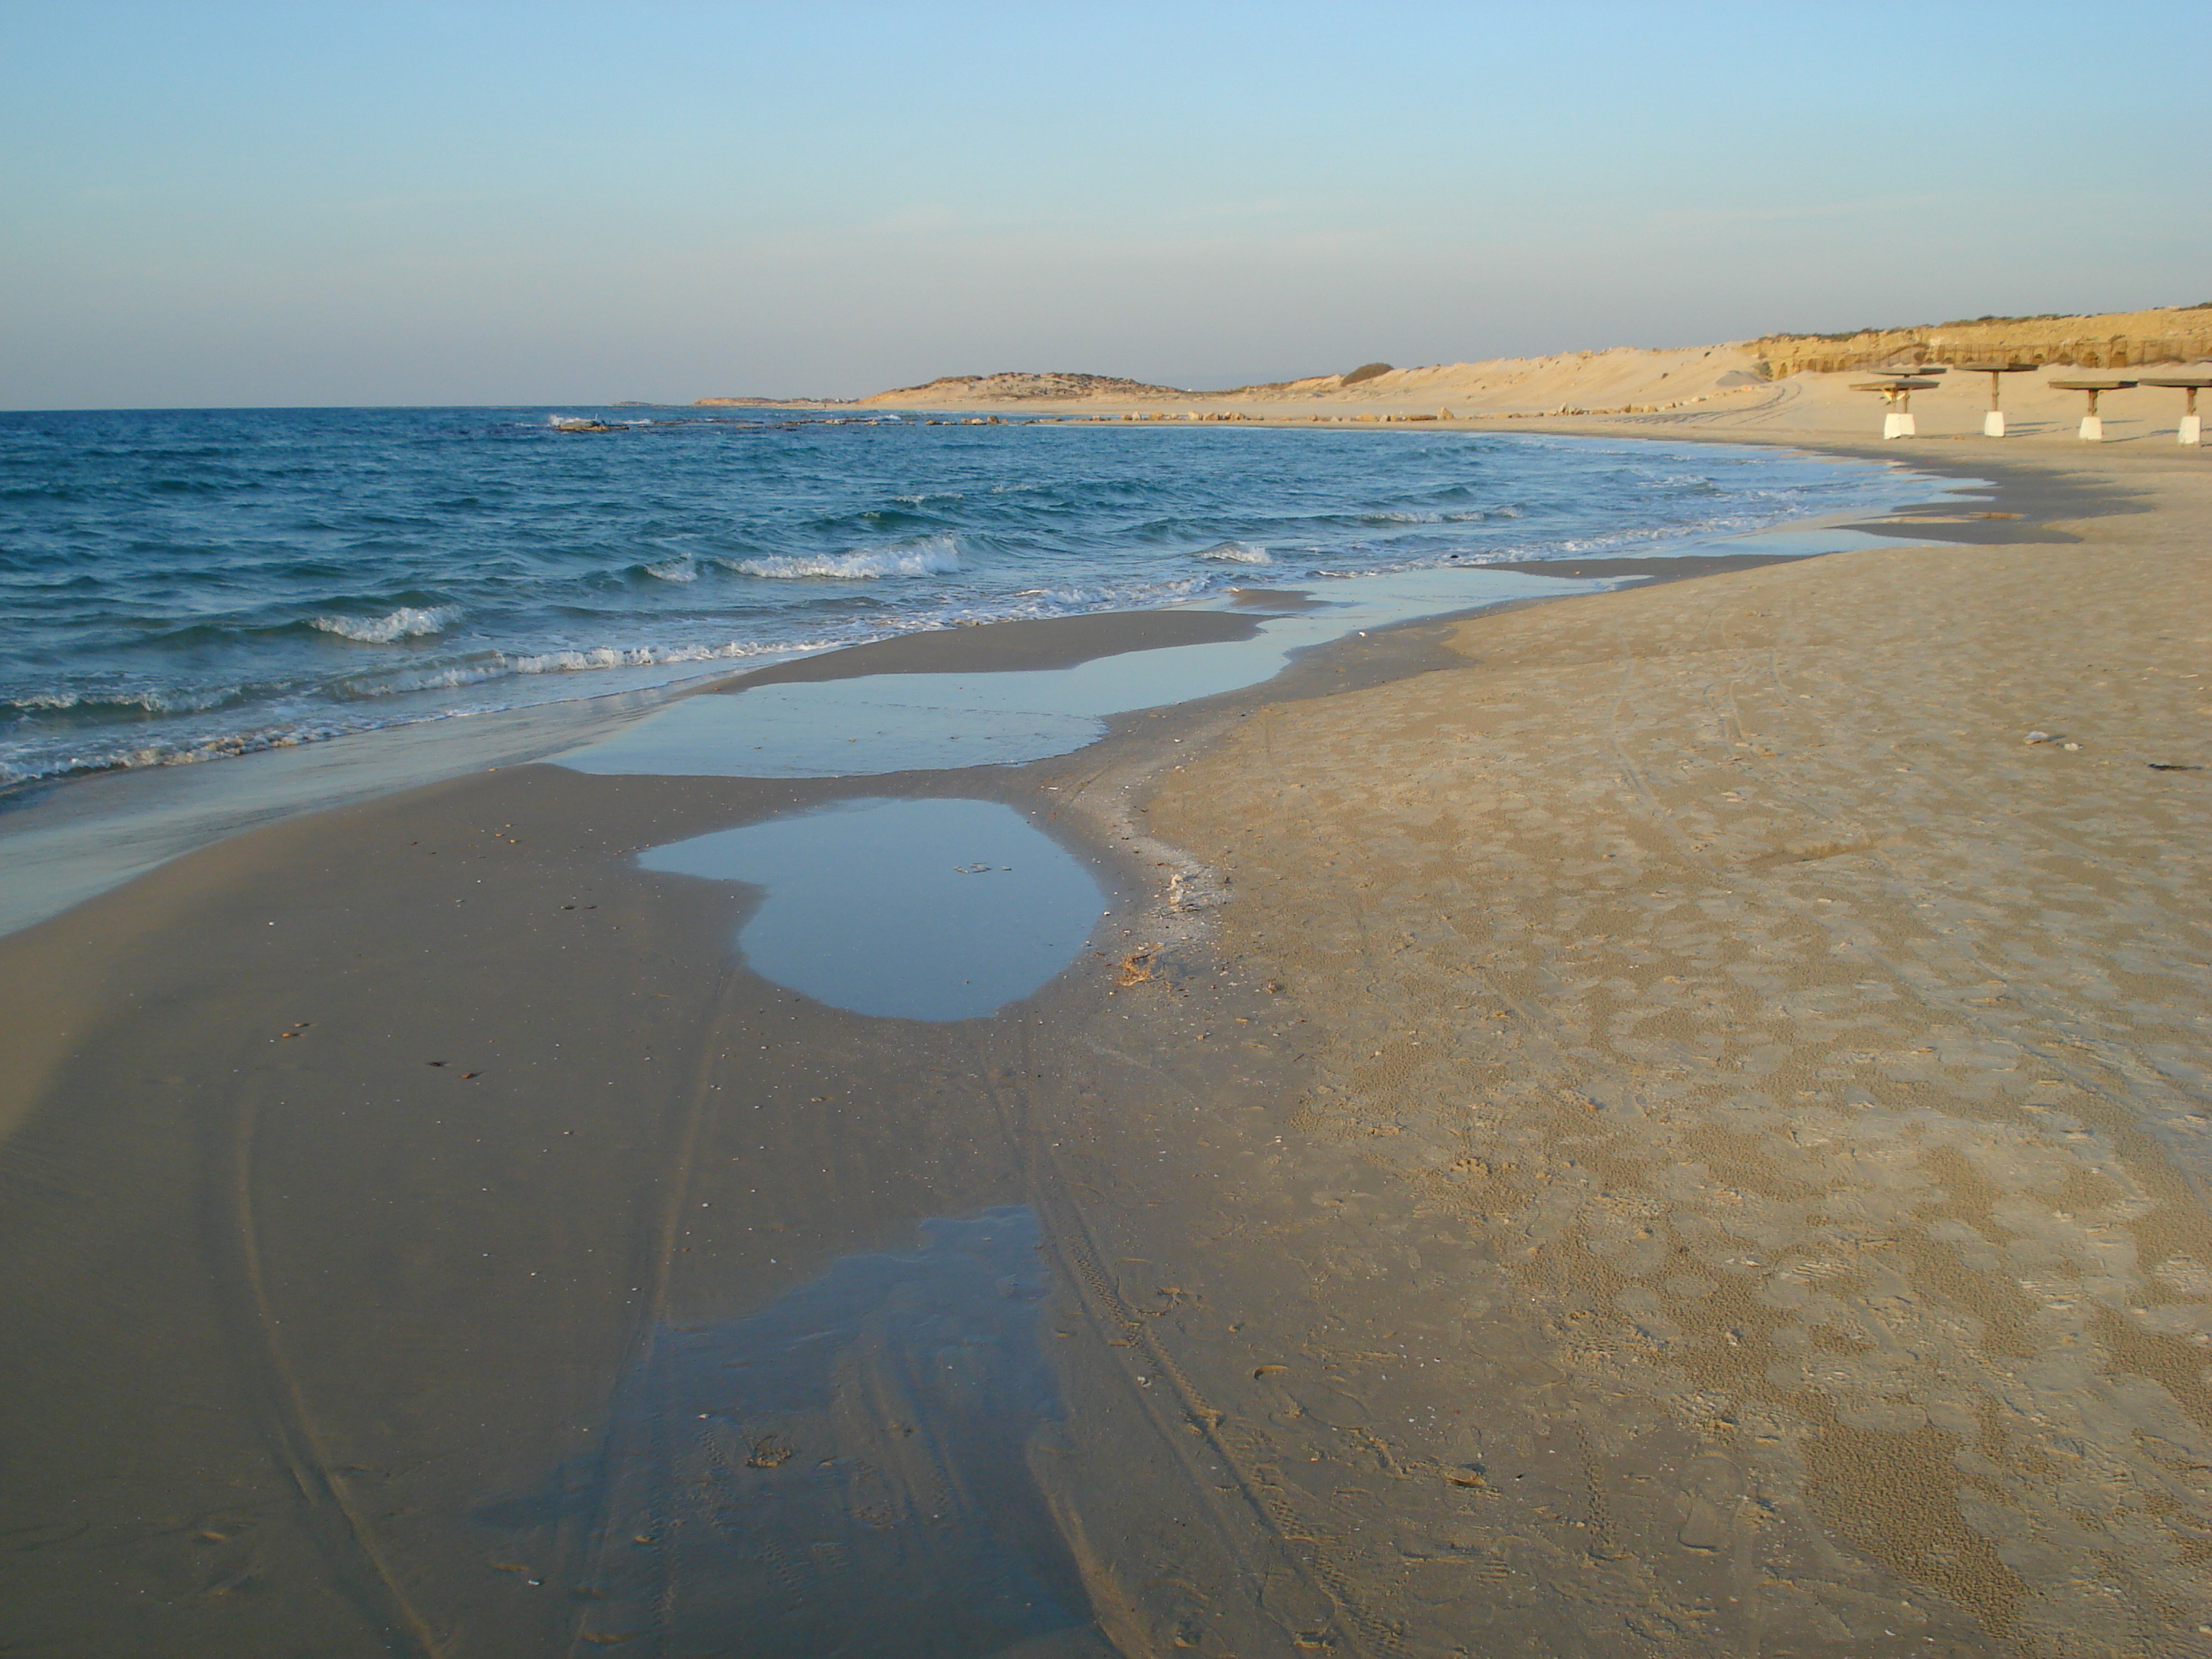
(1648, 1122)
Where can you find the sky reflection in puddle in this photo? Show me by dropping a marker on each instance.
(907, 910)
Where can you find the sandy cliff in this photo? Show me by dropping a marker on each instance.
(2115, 339)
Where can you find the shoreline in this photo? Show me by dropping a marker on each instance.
(1346, 1150)
(69, 838)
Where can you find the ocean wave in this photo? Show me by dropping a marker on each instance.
(1071, 601)
(681, 569)
(580, 660)
(25, 765)
(150, 700)
(648, 656)
(225, 746)
(940, 556)
(409, 622)
(1234, 553)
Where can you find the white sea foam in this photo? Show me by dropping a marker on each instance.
(408, 623)
(571, 662)
(1235, 553)
(939, 556)
(499, 666)
(152, 700)
(681, 569)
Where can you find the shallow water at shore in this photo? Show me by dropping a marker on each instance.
(878, 723)
(998, 695)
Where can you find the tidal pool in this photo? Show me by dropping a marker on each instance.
(907, 910)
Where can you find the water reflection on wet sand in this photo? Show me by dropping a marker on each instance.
(847, 1471)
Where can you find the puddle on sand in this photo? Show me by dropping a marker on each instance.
(848, 1472)
(907, 910)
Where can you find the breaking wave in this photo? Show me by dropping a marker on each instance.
(1235, 553)
(408, 623)
(938, 556)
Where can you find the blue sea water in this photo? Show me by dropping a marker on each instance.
(181, 584)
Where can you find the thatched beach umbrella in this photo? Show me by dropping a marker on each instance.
(2192, 429)
(2092, 424)
(1993, 424)
(1897, 396)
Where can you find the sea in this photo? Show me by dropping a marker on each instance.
(182, 585)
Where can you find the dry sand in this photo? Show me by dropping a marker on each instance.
(1819, 1071)
(1686, 1136)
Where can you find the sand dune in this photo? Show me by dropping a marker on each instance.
(1737, 377)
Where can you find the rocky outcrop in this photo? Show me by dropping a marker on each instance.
(766, 403)
(1011, 387)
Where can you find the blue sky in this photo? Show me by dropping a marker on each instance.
(553, 202)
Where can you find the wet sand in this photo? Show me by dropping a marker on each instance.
(1650, 1122)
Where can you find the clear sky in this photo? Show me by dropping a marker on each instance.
(550, 202)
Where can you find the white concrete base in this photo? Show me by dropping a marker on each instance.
(2193, 428)
(1993, 424)
(2092, 428)
(1897, 426)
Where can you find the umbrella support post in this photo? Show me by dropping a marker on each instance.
(1896, 402)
